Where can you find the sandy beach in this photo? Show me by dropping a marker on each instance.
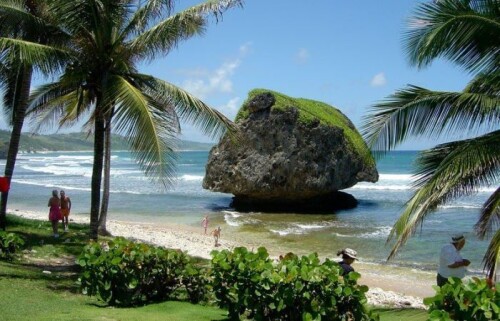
(388, 286)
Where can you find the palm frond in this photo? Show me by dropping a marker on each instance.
(214, 7)
(490, 259)
(146, 14)
(34, 24)
(416, 111)
(90, 15)
(489, 220)
(55, 103)
(447, 172)
(9, 79)
(13, 14)
(486, 83)
(192, 110)
(167, 34)
(150, 131)
(463, 31)
(46, 59)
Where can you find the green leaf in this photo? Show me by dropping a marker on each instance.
(116, 260)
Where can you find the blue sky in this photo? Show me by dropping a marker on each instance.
(348, 54)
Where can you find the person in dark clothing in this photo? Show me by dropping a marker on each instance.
(348, 257)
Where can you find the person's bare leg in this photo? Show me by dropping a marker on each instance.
(55, 228)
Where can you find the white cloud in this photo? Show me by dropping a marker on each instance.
(231, 107)
(302, 56)
(378, 80)
(245, 48)
(203, 83)
(218, 81)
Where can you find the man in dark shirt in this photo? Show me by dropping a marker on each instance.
(348, 257)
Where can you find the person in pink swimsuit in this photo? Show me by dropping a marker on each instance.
(55, 212)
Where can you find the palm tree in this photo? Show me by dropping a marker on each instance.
(108, 39)
(466, 32)
(103, 215)
(22, 20)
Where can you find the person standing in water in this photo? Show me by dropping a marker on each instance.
(54, 212)
(204, 223)
(216, 234)
(65, 209)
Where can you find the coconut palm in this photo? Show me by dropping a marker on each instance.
(466, 32)
(108, 39)
(24, 21)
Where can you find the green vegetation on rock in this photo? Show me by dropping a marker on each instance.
(310, 111)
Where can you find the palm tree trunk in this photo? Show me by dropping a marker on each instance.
(19, 112)
(95, 194)
(107, 168)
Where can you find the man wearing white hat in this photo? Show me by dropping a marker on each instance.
(348, 257)
(451, 262)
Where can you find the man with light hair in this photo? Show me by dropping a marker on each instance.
(451, 263)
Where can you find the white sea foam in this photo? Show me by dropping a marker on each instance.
(288, 231)
(487, 189)
(381, 232)
(232, 213)
(396, 177)
(341, 235)
(187, 177)
(231, 218)
(120, 172)
(301, 228)
(231, 222)
(235, 219)
(311, 226)
(60, 170)
(452, 206)
(60, 158)
(51, 185)
(364, 186)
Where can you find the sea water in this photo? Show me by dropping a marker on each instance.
(136, 198)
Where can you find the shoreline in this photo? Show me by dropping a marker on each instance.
(388, 286)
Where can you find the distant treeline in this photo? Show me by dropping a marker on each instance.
(32, 143)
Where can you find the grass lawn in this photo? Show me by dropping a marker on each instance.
(41, 285)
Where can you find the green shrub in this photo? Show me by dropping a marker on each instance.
(122, 272)
(9, 245)
(456, 300)
(250, 283)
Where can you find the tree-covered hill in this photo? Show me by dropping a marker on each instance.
(75, 141)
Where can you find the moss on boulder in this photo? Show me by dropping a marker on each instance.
(293, 151)
(311, 111)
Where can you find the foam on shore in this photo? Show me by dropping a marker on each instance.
(388, 286)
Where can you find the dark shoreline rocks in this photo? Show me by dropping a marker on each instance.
(323, 204)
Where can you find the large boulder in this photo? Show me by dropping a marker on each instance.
(290, 154)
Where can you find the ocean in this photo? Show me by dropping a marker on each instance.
(135, 198)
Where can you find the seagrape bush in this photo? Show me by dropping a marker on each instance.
(122, 272)
(10, 243)
(472, 301)
(252, 285)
